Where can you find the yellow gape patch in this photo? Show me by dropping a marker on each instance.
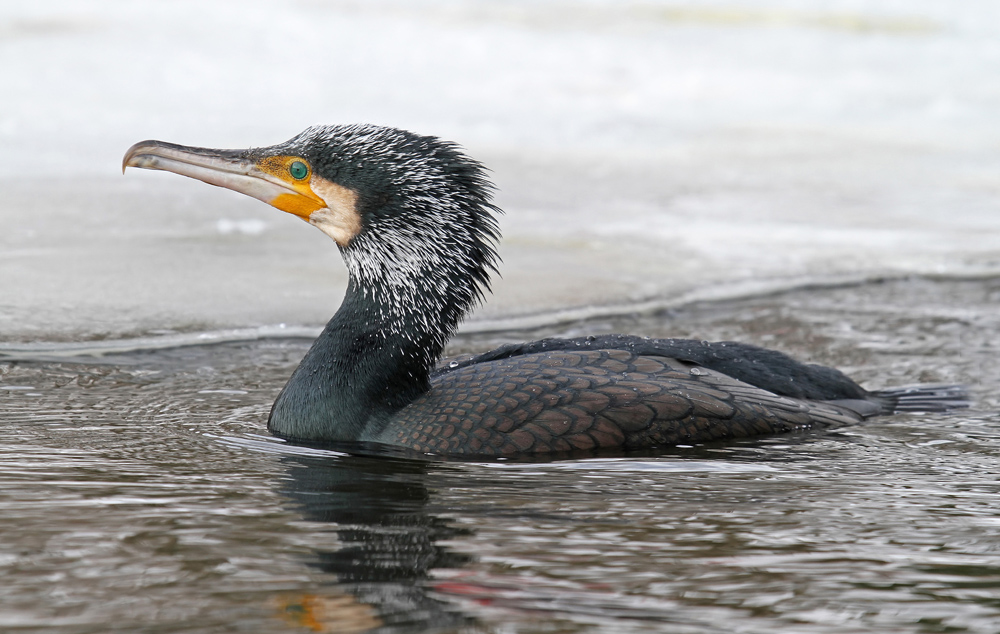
(301, 206)
(296, 173)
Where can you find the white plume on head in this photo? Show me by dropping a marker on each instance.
(427, 245)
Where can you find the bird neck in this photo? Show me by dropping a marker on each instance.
(422, 258)
(374, 356)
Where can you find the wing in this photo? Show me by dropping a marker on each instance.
(767, 369)
(568, 401)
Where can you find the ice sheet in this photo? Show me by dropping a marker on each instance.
(644, 151)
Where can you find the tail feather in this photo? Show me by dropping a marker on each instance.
(924, 398)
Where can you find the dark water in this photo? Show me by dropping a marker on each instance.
(141, 493)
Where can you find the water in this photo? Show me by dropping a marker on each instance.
(140, 492)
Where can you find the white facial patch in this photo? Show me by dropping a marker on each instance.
(340, 218)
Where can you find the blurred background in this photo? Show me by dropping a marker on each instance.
(645, 152)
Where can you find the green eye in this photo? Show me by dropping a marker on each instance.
(298, 170)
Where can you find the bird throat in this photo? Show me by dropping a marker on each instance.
(373, 358)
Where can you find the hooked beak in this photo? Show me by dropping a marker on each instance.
(261, 179)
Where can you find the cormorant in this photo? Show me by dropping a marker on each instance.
(413, 218)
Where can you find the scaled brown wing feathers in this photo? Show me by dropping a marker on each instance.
(567, 401)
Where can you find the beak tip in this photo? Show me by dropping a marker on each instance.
(127, 159)
(133, 156)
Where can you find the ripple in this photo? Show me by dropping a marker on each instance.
(140, 490)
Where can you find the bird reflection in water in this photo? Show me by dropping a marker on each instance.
(389, 546)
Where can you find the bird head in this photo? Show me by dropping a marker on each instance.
(404, 208)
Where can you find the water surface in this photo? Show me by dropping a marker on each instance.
(140, 492)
